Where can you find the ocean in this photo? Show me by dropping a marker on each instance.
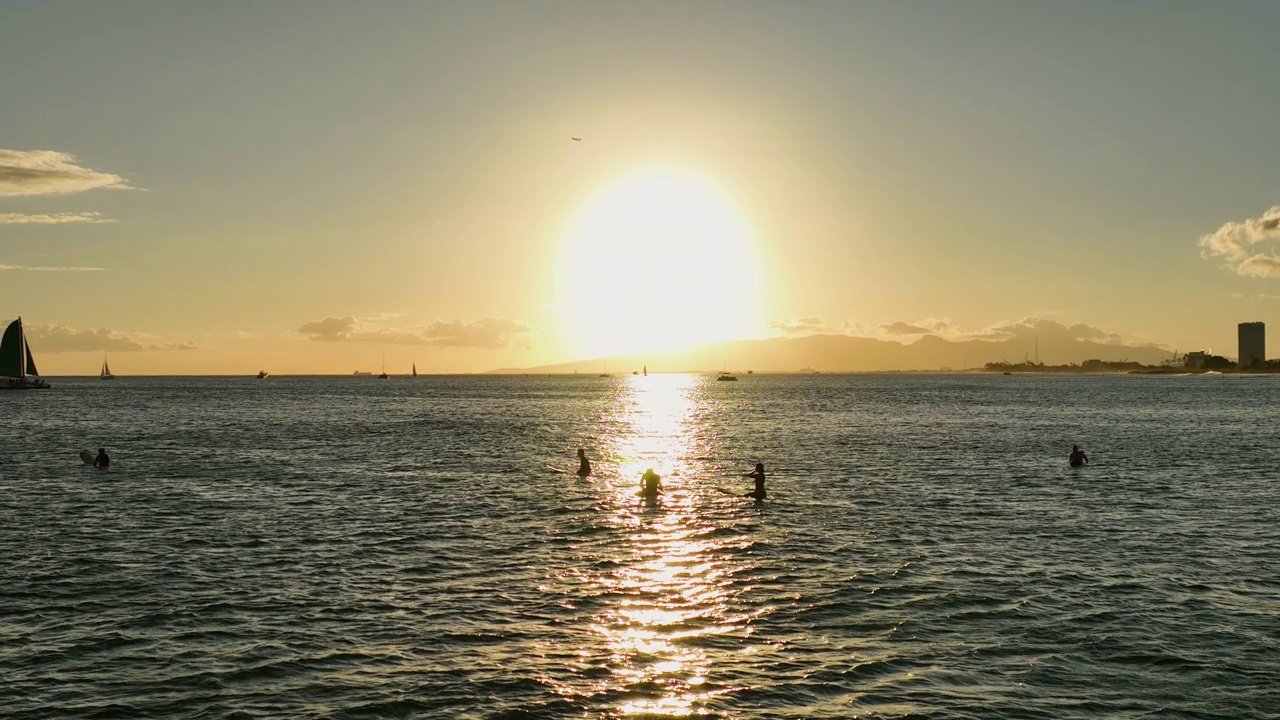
(356, 548)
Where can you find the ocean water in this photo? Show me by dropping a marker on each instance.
(355, 548)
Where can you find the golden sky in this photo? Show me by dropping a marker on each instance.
(303, 187)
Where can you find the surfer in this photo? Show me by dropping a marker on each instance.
(758, 476)
(584, 467)
(1077, 457)
(650, 485)
(102, 460)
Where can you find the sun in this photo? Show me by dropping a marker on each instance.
(660, 260)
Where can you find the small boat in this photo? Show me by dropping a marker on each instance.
(727, 377)
(106, 371)
(415, 369)
(383, 376)
(262, 374)
(17, 367)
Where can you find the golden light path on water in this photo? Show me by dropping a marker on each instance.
(672, 592)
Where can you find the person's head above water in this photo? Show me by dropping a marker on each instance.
(102, 451)
(1074, 448)
(581, 452)
(759, 467)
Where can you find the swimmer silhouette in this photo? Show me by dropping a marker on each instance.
(1077, 457)
(650, 485)
(758, 476)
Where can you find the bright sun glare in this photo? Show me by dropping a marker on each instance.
(658, 261)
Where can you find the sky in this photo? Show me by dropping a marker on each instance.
(309, 186)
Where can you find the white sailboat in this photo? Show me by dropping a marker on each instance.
(17, 367)
(106, 371)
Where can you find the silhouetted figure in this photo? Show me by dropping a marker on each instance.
(758, 476)
(650, 485)
(584, 467)
(102, 460)
(1077, 457)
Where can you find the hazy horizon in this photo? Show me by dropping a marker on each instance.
(303, 187)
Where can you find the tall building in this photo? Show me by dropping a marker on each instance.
(1253, 344)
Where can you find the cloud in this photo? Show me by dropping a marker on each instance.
(901, 328)
(48, 172)
(1028, 328)
(59, 338)
(490, 333)
(91, 218)
(1237, 243)
(1032, 326)
(798, 326)
(47, 268)
(484, 333)
(184, 345)
(855, 327)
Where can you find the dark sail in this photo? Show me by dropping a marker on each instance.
(31, 362)
(11, 351)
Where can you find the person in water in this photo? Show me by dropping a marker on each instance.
(650, 485)
(1077, 457)
(102, 460)
(758, 476)
(584, 467)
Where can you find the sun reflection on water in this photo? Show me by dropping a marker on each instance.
(669, 591)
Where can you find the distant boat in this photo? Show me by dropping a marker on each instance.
(727, 377)
(383, 376)
(106, 371)
(17, 367)
(415, 369)
(262, 374)
(646, 371)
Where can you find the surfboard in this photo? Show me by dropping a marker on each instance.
(86, 457)
(557, 470)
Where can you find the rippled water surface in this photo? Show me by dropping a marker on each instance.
(358, 548)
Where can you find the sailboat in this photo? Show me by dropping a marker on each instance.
(726, 376)
(106, 371)
(415, 369)
(17, 367)
(383, 376)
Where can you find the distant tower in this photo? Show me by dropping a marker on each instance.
(1253, 344)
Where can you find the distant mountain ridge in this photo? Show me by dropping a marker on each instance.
(845, 353)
